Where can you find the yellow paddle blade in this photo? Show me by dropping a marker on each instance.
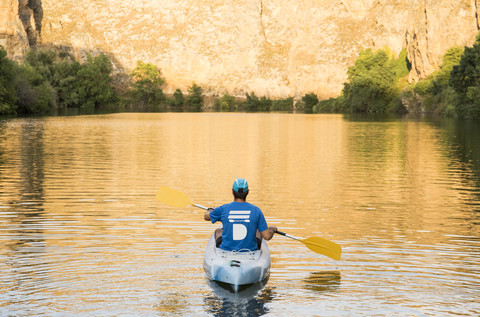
(323, 246)
(173, 197)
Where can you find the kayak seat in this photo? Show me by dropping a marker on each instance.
(218, 242)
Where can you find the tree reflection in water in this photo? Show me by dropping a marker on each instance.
(324, 281)
(247, 301)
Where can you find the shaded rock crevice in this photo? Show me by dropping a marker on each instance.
(262, 23)
(30, 13)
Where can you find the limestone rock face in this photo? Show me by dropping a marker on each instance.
(20, 25)
(12, 34)
(276, 48)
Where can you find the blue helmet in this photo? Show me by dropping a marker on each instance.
(240, 185)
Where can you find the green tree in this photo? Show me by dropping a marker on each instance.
(436, 94)
(43, 61)
(178, 101)
(35, 95)
(329, 105)
(94, 83)
(252, 102)
(265, 104)
(465, 80)
(373, 81)
(282, 104)
(61, 71)
(309, 101)
(195, 98)
(146, 88)
(226, 103)
(65, 82)
(8, 95)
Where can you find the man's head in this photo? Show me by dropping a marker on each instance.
(240, 188)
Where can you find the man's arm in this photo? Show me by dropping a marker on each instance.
(206, 216)
(268, 234)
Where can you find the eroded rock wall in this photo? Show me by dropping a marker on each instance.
(276, 48)
(12, 34)
(20, 25)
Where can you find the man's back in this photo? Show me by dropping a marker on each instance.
(240, 223)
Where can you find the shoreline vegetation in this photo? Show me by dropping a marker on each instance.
(52, 82)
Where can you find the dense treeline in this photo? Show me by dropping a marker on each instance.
(252, 103)
(48, 81)
(374, 85)
(377, 82)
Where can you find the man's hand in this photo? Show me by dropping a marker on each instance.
(268, 234)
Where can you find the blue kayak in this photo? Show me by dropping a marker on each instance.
(236, 268)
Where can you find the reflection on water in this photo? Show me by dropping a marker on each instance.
(325, 281)
(248, 301)
(24, 253)
(463, 140)
(82, 234)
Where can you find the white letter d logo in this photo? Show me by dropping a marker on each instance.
(239, 231)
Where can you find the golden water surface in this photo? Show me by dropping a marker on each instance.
(82, 234)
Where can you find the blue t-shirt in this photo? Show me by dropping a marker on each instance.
(240, 223)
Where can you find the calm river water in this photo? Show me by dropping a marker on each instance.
(82, 234)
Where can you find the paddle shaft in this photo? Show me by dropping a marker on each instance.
(200, 206)
(288, 235)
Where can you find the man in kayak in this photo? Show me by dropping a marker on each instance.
(242, 222)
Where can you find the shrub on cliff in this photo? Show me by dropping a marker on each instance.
(435, 93)
(8, 96)
(146, 88)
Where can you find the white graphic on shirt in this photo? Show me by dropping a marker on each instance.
(239, 229)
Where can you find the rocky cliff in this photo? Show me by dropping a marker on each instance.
(20, 25)
(276, 48)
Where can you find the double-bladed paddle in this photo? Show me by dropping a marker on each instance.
(175, 198)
